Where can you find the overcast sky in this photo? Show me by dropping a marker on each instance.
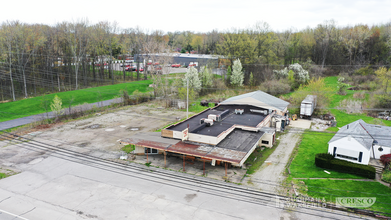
(200, 15)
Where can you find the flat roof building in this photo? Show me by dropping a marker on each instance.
(228, 133)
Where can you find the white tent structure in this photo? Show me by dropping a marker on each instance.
(259, 99)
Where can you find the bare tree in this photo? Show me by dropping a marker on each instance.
(78, 40)
(323, 35)
(7, 39)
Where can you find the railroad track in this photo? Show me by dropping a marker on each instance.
(166, 177)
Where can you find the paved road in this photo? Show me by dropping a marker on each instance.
(56, 186)
(30, 119)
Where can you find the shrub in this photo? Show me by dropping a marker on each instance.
(327, 161)
(359, 79)
(386, 176)
(359, 95)
(275, 87)
(125, 97)
(383, 101)
(128, 148)
(385, 160)
(364, 71)
(342, 86)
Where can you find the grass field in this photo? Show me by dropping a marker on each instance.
(256, 159)
(330, 189)
(32, 106)
(303, 165)
(342, 117)
(2, 175)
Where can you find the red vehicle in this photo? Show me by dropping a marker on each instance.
(176, 65)
(134, 69)
(98, 64)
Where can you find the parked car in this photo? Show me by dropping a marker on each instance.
(98, 64)
(131, 68)
(134, 68)
(175, 65)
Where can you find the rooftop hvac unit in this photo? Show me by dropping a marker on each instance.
(239, 111)
(202, 121)
(209, 122)
(212, 117)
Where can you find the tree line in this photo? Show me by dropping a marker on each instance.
(38, 58)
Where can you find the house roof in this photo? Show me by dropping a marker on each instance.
(365, 134)
(381, 134)
(259, 99)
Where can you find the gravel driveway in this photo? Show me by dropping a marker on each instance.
(271, 172)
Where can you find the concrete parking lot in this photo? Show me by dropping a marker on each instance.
(48, 185)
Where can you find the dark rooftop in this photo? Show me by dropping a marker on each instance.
(248, 118)
(232, 149)
(193, 121)
(240, 140)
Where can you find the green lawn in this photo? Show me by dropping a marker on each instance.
(303, 165)
(330, 189)
(342, 117)
(32, 106)
(2, 175)
(256, 159)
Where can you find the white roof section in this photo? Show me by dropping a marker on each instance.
(365, 134)
(259, 99)
(185, 55)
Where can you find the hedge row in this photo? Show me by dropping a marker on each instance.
(327, 161)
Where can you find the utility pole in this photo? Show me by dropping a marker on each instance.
(187, 99)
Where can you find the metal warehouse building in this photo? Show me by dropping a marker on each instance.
(183, 59)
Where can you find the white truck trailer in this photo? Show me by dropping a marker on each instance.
(307, 106)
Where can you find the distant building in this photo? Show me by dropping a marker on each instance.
(358, 141)
(183, 59)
